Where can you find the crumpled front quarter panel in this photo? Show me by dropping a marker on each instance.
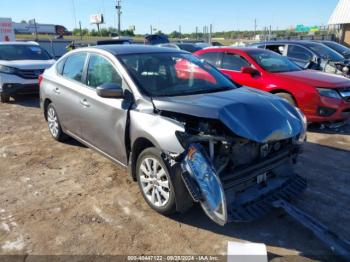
(157, 129)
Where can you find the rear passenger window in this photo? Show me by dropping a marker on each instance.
(74, 66)
(212, 58)
(298, 52)
(234, 62)
(276, 48)
(101, 71)
(59, 66)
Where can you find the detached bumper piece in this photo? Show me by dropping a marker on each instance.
(263, 204)
(336, 243)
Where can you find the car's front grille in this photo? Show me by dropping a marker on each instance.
(345, 93)
(29, 73)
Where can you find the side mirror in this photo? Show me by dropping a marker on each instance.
(110, 90)
(250, 70)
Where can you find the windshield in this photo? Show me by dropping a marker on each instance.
(174, 74)
(324, 52)
(273, 62)
(23, 52)
(339, 48)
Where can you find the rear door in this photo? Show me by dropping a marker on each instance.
(104, 119)
(213, 58)
(67, 92)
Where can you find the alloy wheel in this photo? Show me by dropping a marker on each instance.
(52, 121)
(154, 182)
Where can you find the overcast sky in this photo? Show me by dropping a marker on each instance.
(167, 15)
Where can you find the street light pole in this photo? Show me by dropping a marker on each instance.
(118, 7)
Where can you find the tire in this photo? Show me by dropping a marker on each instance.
(54, 124)
(156, 189)
(4, 98)
(287, 97)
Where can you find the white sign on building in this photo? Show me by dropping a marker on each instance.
(6, 30)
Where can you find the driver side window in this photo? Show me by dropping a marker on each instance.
(101, 71)
(234, 62)
(299, 53)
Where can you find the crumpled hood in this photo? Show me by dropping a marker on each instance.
(249, 113)
(316, 78)
(28, 64)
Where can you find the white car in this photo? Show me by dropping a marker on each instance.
(21, 63)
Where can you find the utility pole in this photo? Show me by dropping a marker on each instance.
(36, 30)
(118, 7)
(151, 30)
(180, 31)
(196, 32)
(210, 33)
(255, 27)
(80, 31)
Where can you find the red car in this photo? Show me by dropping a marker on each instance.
(322, 97)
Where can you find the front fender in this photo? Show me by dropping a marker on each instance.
(157, 129)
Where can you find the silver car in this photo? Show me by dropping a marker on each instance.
(183, 130)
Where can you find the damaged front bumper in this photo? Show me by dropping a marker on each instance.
(246, 194)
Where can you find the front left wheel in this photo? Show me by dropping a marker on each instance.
(154, 181)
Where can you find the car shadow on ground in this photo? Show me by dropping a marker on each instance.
(279, 230)
(73, 142)
(26, 101)
(323, 129)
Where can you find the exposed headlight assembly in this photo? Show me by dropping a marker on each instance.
(328, 93)
(7, 69)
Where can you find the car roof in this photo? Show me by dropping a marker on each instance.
(136, 49)
(299, 42)
(19, 43)
(233, 48)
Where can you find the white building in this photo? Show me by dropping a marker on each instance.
(341, 17)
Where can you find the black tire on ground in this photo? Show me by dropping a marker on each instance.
(59, 135)
(4, 98)
(287, 97)
(170, 206)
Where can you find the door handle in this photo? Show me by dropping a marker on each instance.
(56, 90)
(84, 102)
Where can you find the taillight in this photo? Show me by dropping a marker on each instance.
(40, 78)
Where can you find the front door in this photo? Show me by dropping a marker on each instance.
(299, 55)
(104, 120)
(232, 65)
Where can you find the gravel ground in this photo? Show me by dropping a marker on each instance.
(65, 199)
